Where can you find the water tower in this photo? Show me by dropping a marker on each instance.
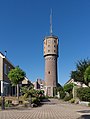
(50, 56)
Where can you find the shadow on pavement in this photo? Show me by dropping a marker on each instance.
(85, 117)
(84, 111)
(18, 108)
(48, 102)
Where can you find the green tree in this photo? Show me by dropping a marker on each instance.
(75, 75)
(59, 87)
(16, 75)
(83, 93)
(68, 87)
(87, 75)
(27, 91)
(78, 74)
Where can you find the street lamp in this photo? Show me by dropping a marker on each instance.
(73, 88)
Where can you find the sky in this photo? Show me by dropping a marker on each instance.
(25, 23)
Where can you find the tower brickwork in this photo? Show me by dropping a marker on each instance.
(50, 55)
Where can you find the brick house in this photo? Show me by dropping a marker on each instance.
(5, 84)
(6, 89)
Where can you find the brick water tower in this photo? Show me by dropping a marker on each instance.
(50, 56)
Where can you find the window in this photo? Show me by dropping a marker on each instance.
(54, 46)
(48, 72)
(49, 41)
(54, 50)
(5, 69)
(48, 45)
(8, 69)
(48, 50)
(54, 41)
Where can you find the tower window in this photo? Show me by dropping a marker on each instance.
(49, 41)
(48, 72)
(48, 45)
(48, 50)
(54, 50)
(54, 41)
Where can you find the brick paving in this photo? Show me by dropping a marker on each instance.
(51, 110)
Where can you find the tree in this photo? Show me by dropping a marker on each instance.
(16, 75)
(87, 75)
(78, 74)
(74, 75)
(83, 93)
(68, 87)
(27, 91)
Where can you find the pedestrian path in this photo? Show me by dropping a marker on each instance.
(51, 110)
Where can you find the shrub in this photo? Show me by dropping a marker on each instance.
(0, 101)
(67, 98)
(8, 104)
(36, 101)
(89, 104)
(72, 100)
(62, 94)
(83, 94)
(26, 103)
(68, 87)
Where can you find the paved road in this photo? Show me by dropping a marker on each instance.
(51, 110)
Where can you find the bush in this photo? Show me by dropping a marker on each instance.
(62, 94)
(36, 101)
(83, 94)
(8, 104)
(72, 100)
(67, 98)
(26, 103)
(68, 87)
(0, 101)
(89, 104)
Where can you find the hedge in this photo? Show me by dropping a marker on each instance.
(83, 94)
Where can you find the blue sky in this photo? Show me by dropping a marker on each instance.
(25, 23)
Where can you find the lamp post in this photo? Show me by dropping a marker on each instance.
(73, 88)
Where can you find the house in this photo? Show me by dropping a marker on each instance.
(39, 84)
(26, 82)
(6, 89)
(5, 67)
(77, 83)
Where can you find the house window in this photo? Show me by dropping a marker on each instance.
(8, 69)
(5, 69)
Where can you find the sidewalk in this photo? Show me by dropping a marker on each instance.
(54, 109)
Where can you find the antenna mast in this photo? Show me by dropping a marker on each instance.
(51, 23)
(5, 53)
